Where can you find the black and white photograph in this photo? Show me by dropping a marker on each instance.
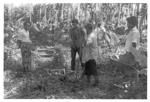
(75, 50)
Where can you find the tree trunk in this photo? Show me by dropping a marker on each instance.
(78, 11)
(85, 13)
(138, 10)
(31, 11)
(119, 14)
(143, 17)
(10, 12)
(62, 12)
(40, 12)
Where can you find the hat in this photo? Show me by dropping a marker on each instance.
(132, 20)
(75, 21)
(89, 26)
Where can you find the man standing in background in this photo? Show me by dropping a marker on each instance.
(77, 36)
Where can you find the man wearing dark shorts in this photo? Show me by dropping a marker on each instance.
(90, 54)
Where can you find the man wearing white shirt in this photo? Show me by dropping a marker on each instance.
(133, 37)
(132, 44)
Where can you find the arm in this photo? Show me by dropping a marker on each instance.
(35, 28)
(70, 34)
(84, 36)
(19, 43)
(107, 38)
(135, 39)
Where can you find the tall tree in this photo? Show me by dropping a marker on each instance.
(143, 14)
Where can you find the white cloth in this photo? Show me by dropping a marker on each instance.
(134, 36)
(23, 35)
(90, 51)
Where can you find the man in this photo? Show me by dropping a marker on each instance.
(77, 42)
(132, 44)
(132, 54)
(101, 37)
(133, 37)
(25, 44)
(102, 34)
(34, 31)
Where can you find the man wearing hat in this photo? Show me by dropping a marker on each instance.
(77, 35)
(132, 44)
(24, 43)
(133, 37)
(132, 54)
